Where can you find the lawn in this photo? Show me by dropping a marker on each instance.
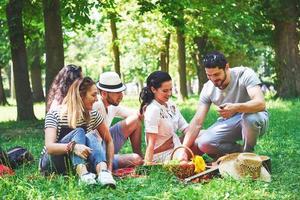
(281, 143)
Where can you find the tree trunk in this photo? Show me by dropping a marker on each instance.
(19, 59)
(287, 53)
(3, 100)
(189, 87)
(115, 42)
(165, 55)
(181, 63)
(53, 40)
(197, 57)
(36, 75)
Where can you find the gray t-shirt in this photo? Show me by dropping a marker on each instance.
(241, 78)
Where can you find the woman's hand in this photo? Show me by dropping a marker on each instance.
(82, 151)
(181, 156)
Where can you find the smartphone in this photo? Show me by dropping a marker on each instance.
(221, 106)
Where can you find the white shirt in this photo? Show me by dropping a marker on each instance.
(164, 121)
(112, 111)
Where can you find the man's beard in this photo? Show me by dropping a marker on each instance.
(111, 102)
(222, 82)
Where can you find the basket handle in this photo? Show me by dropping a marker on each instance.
(179, 147)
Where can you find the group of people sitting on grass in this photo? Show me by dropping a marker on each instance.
(80, 137)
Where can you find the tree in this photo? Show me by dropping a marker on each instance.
(53, 40)
(19, 59)
(115, 44)
(197, 55)
(165, 54)
(36, 75)
(4, 58)
(173, 14)
(285, 16)
(110, 11)
(34, 39)
(181, 63)
(3, 100)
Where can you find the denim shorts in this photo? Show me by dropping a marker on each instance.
(117, 136)
(118, 140)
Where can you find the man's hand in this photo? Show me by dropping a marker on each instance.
(227, 110)
(82, 151)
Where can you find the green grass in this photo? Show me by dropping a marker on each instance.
(281, 143)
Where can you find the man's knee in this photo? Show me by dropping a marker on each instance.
(254, 120)
(137, 159)
(206, 144)
(131, 124)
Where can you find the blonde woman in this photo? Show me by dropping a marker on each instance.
(68, 147)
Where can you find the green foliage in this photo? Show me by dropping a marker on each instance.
(76, 14)
(4, 44)
(281, 143)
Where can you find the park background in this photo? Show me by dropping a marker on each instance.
(134, 38)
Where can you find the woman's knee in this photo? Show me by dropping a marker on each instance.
(79, 132)
(79, 136)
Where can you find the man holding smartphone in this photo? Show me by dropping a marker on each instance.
(240, 103)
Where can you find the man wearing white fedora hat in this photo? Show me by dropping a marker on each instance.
(111, 90)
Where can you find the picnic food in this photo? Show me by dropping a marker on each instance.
(199, 164)
(183, 170)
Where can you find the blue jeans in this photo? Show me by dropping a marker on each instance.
(65, 163)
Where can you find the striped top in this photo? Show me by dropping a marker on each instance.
(54, 119)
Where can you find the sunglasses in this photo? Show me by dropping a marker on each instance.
(74, 68)
(210, 58)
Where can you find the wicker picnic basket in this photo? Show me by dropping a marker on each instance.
(181, 170)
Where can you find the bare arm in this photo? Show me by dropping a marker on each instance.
(51, 145)
(256, 104)
(151, 138)
(105, 134)
(55, 148)
(195, 125)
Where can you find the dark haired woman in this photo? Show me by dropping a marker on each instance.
(162, 118)
(68, 147)
(60, 85)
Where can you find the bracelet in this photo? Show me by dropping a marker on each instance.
(70, 146)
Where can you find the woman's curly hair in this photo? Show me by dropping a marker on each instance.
(61, 83)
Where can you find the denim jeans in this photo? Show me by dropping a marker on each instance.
(66, 163)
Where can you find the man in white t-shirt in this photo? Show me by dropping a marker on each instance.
(111, 94)
(240, 103)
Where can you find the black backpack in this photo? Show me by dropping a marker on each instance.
(15, 157)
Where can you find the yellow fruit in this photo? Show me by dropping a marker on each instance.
(199, 164)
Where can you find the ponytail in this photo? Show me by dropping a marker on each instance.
(155, 79)
(146, 97)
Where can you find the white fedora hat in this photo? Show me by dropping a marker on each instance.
(110, 82)
(239, 165)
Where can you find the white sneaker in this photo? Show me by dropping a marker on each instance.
(88, 178)
(106, 179)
